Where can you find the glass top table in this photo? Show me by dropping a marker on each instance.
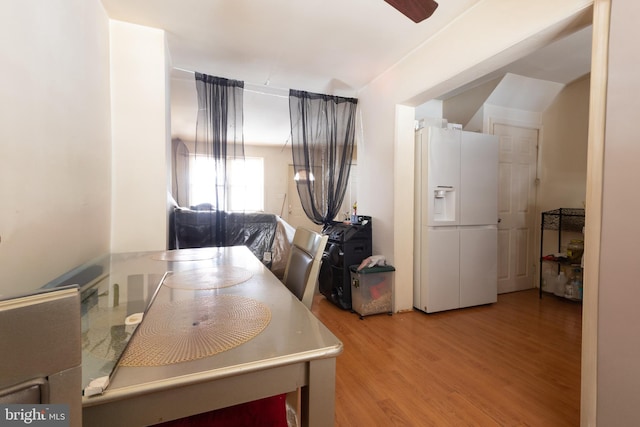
(198, 321)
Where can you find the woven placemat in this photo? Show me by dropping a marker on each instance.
(180, 331)
(187, 254)
(208, 278)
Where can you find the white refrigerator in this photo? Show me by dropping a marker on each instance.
(456, 215)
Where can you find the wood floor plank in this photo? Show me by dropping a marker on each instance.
(512, 363)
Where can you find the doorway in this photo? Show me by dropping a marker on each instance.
(296, 216)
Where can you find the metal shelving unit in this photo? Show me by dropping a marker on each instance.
(562, 220)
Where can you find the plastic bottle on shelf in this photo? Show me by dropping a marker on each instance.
(549, 273)
(568, 290)
(577, 283)
(573, 287)
(580, 290)
(561, 281)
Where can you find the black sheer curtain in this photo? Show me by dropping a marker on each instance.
(322, 143)
(219, 140)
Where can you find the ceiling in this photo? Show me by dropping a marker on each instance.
(327, 46)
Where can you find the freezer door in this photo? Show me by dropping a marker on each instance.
(478, 265)
(441, 289)
(440, 170)
(478, 179)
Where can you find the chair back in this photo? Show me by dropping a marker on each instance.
(303, 266)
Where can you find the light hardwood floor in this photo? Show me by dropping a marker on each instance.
(512, 363)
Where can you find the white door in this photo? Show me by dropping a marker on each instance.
(516, 206)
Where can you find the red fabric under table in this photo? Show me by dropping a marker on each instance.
(268, 412)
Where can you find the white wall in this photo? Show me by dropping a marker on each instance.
(618, 341)
(55, 149)
(563, 155)
(140, 126)
(462, 108)
(517, 28)
(276, 168)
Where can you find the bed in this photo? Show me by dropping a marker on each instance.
(267, 235)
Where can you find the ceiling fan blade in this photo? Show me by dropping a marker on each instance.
(416, 10)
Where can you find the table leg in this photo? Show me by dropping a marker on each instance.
(318, 398)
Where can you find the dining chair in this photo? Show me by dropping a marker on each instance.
(303, 265)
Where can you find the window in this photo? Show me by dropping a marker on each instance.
(245, 185)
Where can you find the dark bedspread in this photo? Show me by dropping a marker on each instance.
(260, 232)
